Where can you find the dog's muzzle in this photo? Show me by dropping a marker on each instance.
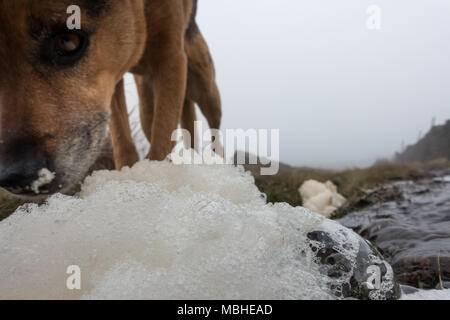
(27, 172)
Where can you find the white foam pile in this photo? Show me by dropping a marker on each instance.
(161, 231)
(428, 295)
(321, 198)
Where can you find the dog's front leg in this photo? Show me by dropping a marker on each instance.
(169, 78)
(125, 153)
(163, 68)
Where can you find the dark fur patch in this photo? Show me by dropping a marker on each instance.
(95, 8)
(37, 28)
(192, 29)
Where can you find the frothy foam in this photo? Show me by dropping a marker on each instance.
(428, 295)
(160, 231)
(45, 177)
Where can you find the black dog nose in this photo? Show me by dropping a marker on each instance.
(20, 167)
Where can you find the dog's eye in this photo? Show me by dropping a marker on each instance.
(68, 43)
(65, 48)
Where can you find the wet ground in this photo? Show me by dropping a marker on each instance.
(410, 225)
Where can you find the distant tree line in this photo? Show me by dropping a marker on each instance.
(435, 144)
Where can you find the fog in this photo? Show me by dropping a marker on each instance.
(341, 94)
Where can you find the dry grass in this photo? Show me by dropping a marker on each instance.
(441, 284)
(8, 204)
(351, 183)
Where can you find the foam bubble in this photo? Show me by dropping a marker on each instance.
(160, 231)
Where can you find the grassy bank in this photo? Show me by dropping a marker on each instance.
(8, 204)
(353, 183)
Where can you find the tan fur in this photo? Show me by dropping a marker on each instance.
(125, 153)
(61, 112)
(180, 70)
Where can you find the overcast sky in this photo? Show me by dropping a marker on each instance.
(341, 94)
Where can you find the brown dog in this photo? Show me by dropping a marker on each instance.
(59, 88)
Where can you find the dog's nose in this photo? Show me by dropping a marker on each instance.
(20, 171)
